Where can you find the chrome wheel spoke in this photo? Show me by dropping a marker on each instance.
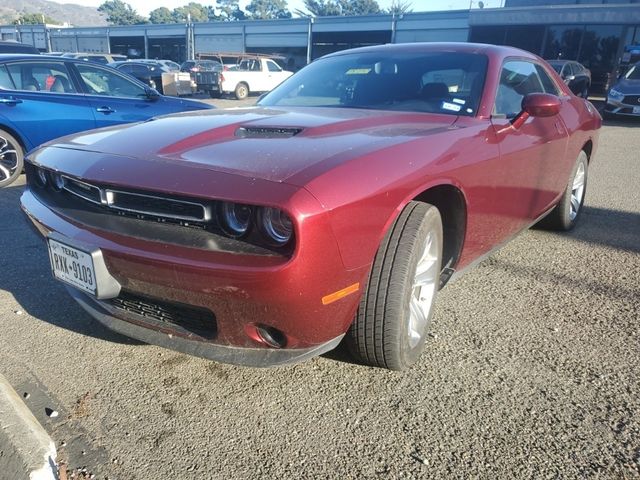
(426, 272)
(4, 173)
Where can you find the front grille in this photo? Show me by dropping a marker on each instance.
(163, 208)
(82, 190)
(185, 319)
(632, 100)
(156, 206)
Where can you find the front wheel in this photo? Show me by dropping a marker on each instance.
(566, 213)
(396, 308)
(11, 159)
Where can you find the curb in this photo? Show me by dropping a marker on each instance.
(26, 449)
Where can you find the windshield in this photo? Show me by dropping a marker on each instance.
(433, 82)
(634, 73)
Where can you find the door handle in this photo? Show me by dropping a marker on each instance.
(105, 110)
(10, 101)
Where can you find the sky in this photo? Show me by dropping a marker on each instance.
(143, 7)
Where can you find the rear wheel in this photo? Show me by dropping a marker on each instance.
(242, 91)
(11, 158)
(395, 311)
(566, 213)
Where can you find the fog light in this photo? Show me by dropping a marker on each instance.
(269, 336)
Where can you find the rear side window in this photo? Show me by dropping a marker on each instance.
(5, 79)
(518, 79)
(547, 83)
(41, 77)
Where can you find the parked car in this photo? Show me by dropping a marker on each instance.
(44, 97)
(9, 46)
(103, 58)
(338, 207)
(148, 72)
(254, 74)
(205, 74)
(624, 96)
(575, 75)
(170, 65)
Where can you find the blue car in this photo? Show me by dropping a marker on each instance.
(45, 97)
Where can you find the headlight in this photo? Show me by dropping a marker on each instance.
(57, 181)
(41, 177)
(235, 218)
(276, 225)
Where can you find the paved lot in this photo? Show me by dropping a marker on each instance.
(531, 370)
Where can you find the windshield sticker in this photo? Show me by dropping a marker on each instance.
(358, 71)
(459, 101)
(451, 106)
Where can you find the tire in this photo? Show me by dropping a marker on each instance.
(567, 212)
(242, 91)
(388, 331)
(11, 158)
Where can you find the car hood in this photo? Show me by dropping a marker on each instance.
(266, 143)
(628, 86)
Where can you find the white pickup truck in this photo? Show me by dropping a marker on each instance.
(257, 74)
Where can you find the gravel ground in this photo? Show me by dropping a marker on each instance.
(531, 370)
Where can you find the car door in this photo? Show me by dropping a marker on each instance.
(43, 101)
(114, 97)
(275, 76)
(532, 155)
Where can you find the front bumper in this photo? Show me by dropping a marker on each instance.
(241, 291)
(246, 356)
(614, 107)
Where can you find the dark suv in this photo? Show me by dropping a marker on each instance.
(575, 75)
(17, 47)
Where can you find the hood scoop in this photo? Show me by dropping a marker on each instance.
(267, 132)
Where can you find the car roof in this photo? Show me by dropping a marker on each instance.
(27, 56)
(499, 51)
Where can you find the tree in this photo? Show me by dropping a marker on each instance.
(161, 15)
(229, 11)
(121, 13)
(399, 7)
(35, 19)
(266, 9)
(325, 8)
(321, 8)
(198, 12)
(359, 7)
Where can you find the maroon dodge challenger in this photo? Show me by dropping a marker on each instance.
(335, 209)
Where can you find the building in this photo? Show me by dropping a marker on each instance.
(594, 32)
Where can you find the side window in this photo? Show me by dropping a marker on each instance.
(138, 70)
(548, 84)
(273, 66)
(517, 79)
(100, 81)
(5, 79)
(126, 68)
(41, 76)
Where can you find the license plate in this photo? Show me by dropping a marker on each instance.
(72, 266)
(636, 110)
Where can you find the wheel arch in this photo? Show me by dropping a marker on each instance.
(451, 203)
(588, 149)
(14, 133)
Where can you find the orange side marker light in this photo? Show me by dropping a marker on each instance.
(332, 297)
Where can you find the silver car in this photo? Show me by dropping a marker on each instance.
(624, 96)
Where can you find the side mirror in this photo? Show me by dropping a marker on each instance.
(537, 105)
(151, 93)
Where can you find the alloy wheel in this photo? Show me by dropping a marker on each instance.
(577, 190)
(9, 159)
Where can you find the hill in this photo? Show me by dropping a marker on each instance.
(76, 15)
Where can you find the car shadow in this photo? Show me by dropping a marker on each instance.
(611, 228)
(25, 274)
